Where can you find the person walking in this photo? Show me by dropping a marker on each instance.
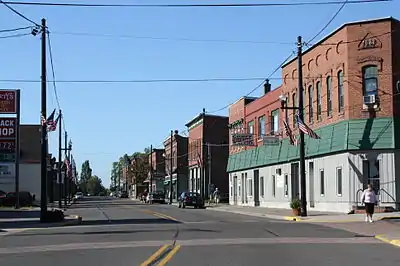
(216, 196)
(369, 199)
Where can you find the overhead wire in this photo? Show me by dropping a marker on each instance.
(14, 35)
(15, 29)
(8, 5)
(58, 4)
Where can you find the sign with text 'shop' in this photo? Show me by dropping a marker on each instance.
(8, 101)
(8, 127)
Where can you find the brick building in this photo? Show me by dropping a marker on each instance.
(157, 168)
(351, 93)
(177, 149)
(208, 153)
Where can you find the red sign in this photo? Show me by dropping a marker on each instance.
(7, 127)
(8, 101)
(7, 145)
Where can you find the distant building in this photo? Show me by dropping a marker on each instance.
(351, 100)
(156, 175)
(177, 149)
(208, 147)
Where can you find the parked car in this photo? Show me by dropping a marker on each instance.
(2, 196)
(25, 199)
(190, 199)
(156, 197)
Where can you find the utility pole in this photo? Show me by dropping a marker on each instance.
(301, 116)
(60, 182)
(69, 173)
(203, 162)
(65, 171)
(170, 168)
(43, 157)
(151, 168)
(209, 169)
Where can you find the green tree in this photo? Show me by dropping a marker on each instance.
(86, 174)
(114, 176)
(94, 186)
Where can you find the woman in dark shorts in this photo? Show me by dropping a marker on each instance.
(369, 199)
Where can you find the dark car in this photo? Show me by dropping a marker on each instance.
(124, 195)
(157, 197)
(190, 199)
(25, 199)
(2, 196)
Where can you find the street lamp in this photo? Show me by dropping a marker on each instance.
(302, 159)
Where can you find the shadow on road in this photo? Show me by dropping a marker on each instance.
(18, 214)
(131, 221)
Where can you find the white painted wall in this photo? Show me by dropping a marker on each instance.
(333, 198)
(29, 180)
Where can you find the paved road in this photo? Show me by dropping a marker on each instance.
(123, 232)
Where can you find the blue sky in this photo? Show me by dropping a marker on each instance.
(107, 120)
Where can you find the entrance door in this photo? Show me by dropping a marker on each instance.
(235, 190)
(295, 180)
(256, 182)
(243, 185)
(311, 184)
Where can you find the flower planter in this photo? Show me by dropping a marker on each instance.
(296, 212)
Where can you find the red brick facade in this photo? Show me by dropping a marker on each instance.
(335, 79)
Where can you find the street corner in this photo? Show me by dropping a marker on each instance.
(292, 218)
(385, 239)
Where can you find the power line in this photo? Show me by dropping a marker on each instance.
(188, 5)
(87, 34)
(8, 5)
(329, 22)
(15, 29)
(15, 35)
(175, 80)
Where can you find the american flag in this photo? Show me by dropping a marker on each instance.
(305, 129)
(52, 126)
(49, 120)
(67, 164)
(289, 133)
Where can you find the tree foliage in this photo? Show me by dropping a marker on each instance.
(94, 186)
(89, 183)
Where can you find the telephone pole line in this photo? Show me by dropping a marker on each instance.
(151, 168)
(301, 116)
(170, 170)
(60, 181)
(43, 157)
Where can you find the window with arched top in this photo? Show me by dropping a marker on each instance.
(310, 103)
(329, 96)
(319, 100)
(340, 91)
(294, 105)
(370, 80)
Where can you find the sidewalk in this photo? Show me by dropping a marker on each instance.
(313, 216)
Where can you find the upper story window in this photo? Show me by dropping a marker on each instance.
(261, 126)
(250, 127)
(340, 91)
(310, 103)
(294, 104)
(319, 100)
(329, 96)
(275, 121)
(370, 80)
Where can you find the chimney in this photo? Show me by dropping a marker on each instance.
(267, 86)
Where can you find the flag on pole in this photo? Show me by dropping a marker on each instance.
(289, 133)
(68, 166)
(305, 129)
(52, 126)
(49, 120)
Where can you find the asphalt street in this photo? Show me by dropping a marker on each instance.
(123, 232)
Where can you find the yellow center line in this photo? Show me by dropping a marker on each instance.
(161, 215)
(169, 256)
(154, 256)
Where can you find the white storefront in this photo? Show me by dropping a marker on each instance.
(334, 182)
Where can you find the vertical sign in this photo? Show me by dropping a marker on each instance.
(9, 137)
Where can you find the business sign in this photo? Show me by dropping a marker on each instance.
(8, 127)
(7, 145)
(270, 140)
(8, 101)
(246, 139)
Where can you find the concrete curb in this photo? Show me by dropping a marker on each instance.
(385, 239)
(389, 218)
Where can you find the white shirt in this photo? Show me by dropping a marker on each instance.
(368, 196)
